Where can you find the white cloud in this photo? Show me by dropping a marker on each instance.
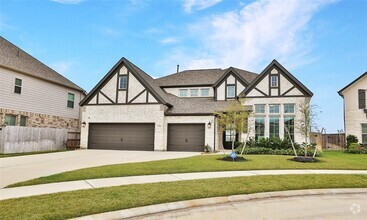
(252, 36)
(198, 5)
(68, 2)
(63, 67)
(169, 40)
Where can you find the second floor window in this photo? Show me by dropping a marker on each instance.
(194, 92)
(183, 92)
(274, 81)
(288, 108)
(18, 86)
(273, 108)
(231, 91)
(71, 97)
(204, 92)
(361, 99)
(123, 82)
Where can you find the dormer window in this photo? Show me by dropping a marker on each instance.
(194, 92)
(123, 82)
(274, 81)
(204, 92)
(231, 91)
(183, 92)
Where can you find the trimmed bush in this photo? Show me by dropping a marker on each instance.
(305, 159)
(351, 139)
(355, 148)
(269, 151)
(237, 159)
(272, 143)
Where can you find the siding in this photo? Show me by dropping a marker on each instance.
(37, 96)
(354, 116)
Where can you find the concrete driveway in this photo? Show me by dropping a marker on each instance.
(22, 168)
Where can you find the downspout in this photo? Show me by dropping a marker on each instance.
(214, 132)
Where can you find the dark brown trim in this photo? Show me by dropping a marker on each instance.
(291, 96)
(225, 89)
(127, 86)
(179, 86)
(230, 71)
(117, 86)
(188, 114)
(282, 71)
(286, 92)
(261, 92)
(147, 98)
(360, 77)
(133, 99)
(125, 104)
(106, 97)
(97, 101)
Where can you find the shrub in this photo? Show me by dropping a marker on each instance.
(351, 139)
(269, 151)
(272, 143)
(355, 148)
(207, 149)
(237, 159)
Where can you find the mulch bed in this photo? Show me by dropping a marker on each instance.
(237, 159)
(305, 159)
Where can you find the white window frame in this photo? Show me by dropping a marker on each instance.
(194, 90)
(234, 91)
(183, 90)
(67, 102)
(18, 86)
(260, 112)
(294, 108)
(274, 83)
(205, 89)
(270, 108)
(121, 77)
(363, 133)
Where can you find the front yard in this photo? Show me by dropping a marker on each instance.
(205, 163)
(87, 202)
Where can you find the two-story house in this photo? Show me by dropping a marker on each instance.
(355, 108)
(34, 95)
(130, 110)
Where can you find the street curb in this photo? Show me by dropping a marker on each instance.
(176, 206)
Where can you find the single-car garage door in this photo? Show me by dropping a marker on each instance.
(121, 136)
(186, 137)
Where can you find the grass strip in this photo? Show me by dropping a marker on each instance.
(87, 202)
(205, 163)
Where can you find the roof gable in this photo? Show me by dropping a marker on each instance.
(146, 84)
(350, 84)
(14, 58)
(298, 89)
(230, 71)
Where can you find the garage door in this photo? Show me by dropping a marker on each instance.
(121, 136)
(186, 137)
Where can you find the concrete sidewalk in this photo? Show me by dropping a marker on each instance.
(25, 191)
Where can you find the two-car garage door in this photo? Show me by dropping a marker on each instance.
(127, 136)
(121, 136)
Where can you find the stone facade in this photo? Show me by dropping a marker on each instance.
(42, 120)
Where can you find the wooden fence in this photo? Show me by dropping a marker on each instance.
(329, 141)
(16, 139)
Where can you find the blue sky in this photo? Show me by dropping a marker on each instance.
(323, 43)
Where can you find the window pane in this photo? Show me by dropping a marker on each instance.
(123, 82)
(231, 91)
(183, 92)
(259, 127)
(204, 92)
(23, 121)
(274, 126)
(289, 123)
(274, 108)
(18, 82)
(70, 104)
(194, 92)
(10, 119)
(71, 96)
(288, 108)
(260, 108)
(18, 89)
(364, 138)
(364, 128)
(274, 81)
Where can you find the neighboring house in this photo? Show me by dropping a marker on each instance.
(34, 95)
(130, 110)
(355, 108)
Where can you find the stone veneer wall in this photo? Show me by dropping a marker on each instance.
(42, 120)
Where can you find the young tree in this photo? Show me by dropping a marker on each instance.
(307, 122)
(233, 118)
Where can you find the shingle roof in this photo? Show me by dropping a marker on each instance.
(200, 77)
(14, 58)
(360, 77)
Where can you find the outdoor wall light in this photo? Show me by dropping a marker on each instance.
(209, 125)
(83, 124)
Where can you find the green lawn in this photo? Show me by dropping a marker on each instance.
(29, 153)
(87, 202)
(204, 163)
